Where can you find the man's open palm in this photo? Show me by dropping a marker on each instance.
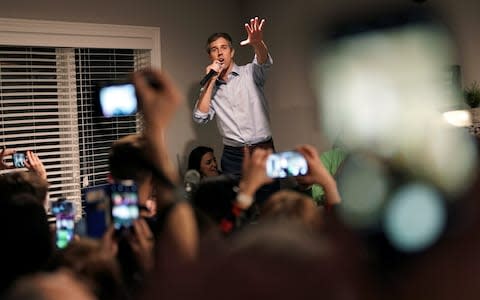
(254, 32)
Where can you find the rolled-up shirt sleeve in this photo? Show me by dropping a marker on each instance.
(201, 117)
(260, 70)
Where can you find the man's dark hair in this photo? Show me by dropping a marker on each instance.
(216, 36)
(19, 182)
(128, 159)
(215, 195)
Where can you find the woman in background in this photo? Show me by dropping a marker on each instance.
(203, 160)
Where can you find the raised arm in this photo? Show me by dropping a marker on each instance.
(317, 173)
(34, 164)
(159, 105)
(254, 174)
(255, 39)
(202, 111)
(205, 98)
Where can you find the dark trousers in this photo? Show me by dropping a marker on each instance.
(231, 163)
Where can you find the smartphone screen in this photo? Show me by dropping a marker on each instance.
(285, 164)
(65, 215)
(124, 202)
(18, 159)
(117, 99)
(97, 209)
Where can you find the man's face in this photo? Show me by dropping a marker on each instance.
(221, 50)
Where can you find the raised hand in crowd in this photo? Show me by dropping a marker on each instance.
(254, 175)
(318, 174)
(34, 164)
(142, 242)
(4, 153)
(109, 246)
(159, 101)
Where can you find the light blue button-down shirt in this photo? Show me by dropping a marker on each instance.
(240, 105)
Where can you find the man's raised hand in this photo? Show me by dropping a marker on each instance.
(254, 32)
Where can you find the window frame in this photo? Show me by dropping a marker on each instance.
(57, 34)
(25, 32)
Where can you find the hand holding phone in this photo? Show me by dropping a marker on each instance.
(318, 174)
(65, 222)
(286, 164)
(124, 204)
(18, 159)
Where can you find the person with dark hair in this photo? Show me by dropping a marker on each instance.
(93, 266)
(171, 222)
(235, 96)
(27, 244)
(203, 160)
(225, 201)
(129, 159)
(14, 183)
(293, 206)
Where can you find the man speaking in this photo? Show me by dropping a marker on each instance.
(235, 95)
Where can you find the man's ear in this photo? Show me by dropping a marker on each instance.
(233, 52)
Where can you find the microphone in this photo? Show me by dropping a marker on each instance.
(208, 77)
(191, 180)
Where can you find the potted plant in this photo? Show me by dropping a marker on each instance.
(472, 95)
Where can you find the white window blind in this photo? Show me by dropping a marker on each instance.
(36, 110)
(46, 102)
(96, 134)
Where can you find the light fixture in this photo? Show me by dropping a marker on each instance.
(458, 118)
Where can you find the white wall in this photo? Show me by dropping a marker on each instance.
(290, 28)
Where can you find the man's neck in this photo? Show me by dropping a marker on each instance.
(224, 74)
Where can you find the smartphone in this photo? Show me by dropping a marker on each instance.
(116, 99)
(18, 159)
(96, 204)
(65, 222)
(124, 204)
(285, 164)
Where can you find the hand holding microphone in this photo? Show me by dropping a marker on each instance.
(214, 69)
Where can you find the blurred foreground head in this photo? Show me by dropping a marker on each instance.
(277, 259)
(55, 286)
(293, 206)
(382, 85)
(412, 179)
(27, 244)
(98, 271)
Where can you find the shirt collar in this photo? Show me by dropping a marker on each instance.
(235, 69)
(235, 72)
